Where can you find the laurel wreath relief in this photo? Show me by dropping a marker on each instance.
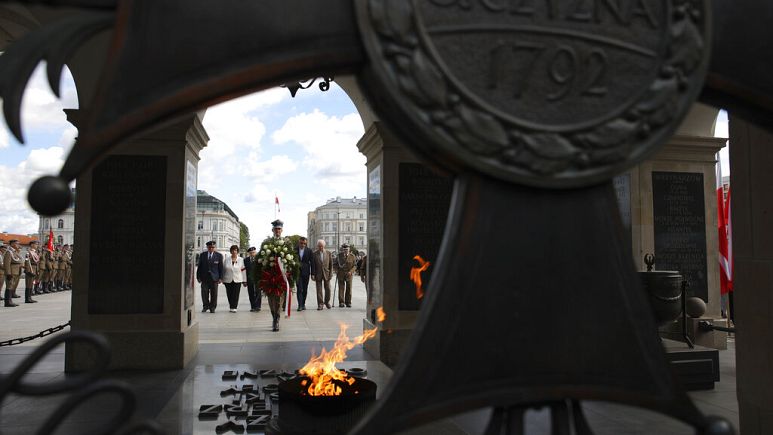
(537, 153)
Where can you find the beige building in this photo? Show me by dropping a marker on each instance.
(339, 221)
(215, 221)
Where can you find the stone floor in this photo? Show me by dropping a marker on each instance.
(244, 341)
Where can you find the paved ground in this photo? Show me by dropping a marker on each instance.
(220, 327)
(309, 325)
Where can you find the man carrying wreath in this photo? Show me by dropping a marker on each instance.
(276, 271)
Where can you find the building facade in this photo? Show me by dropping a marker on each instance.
(339, 221)
(63, 226)
(215, 221)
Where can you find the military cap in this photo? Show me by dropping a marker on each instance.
(252, 248)
(345, 245)
(211, 243)
(277, 224)
(34, 241)
(13, 241)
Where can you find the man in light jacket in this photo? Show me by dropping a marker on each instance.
(321, 272)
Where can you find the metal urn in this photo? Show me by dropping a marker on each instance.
(664, 291)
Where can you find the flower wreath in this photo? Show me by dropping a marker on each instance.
(269, 276)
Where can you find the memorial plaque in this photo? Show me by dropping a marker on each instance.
(128, 214)
(375, 292)
(680, 227)
(189, 261)
(424, 200)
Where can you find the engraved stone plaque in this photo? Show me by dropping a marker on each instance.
(128, 215)
(424, 200)
(680, 227)
(548, 93)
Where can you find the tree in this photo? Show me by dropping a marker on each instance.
(244, 237)
(294, 240)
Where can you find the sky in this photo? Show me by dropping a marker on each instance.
(303, 150)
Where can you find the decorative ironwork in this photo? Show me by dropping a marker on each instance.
(81, 387)
(41, 334)
(324, 85)
(595, 338)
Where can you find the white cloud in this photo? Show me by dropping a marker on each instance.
(330, 144)
(15, 214)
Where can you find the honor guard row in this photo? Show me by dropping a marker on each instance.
(44, 272)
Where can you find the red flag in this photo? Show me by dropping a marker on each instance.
(729, 226)
(725, 280)
(50, 245)
(276, 201)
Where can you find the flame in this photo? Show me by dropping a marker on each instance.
(380, 314)
(321, 369)
(416, 275)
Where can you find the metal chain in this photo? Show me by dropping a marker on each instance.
(40, 334)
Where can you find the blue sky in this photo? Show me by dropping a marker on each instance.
(302, 149)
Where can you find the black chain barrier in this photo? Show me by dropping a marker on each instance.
(47, 332)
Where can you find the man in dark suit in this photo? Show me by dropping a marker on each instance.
(210, 275)
(305, 259)
(250, 263)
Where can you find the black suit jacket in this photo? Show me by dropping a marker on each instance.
(249, 265)
(306, 261)
(210, 270)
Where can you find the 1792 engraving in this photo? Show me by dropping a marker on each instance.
(550, 93)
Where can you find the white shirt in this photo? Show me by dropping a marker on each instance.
(233, 270)
(300, 253)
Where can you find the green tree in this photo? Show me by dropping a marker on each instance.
(244, 237)
(294, 240)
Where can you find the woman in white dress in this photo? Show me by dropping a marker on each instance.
(234, 277)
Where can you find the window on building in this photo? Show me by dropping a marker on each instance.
(198, 242)
(60, 224)
(335, 226)
(361, 241)
(201, 225)
(348, 226)
(214, 225)
(222, 225)
(45, 224)
(362, 216)
(327, 226)
(348, 239)
(361, 227)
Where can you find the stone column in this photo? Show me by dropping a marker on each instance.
(134, 231)
(674, 216)
(751, 172)
(407, 208)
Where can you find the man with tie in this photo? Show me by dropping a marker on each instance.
(250, 263)
(210, 274)
(321, 272)
(302, 285)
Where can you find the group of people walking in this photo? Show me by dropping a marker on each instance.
(44, 272)
(275, 266)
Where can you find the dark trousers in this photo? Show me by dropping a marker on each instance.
(274, 302)
(344, 289)
(254, 293)
(232, 290)
(209, 294)
(302, 286)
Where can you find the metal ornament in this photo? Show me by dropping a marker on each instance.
(532, 93)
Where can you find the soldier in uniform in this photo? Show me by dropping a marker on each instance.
(31, 271)
(275, 300)
(58, 270)
(67, 269)
(3, 248)
(345, 264)
(13, 263)
(42, 266)
(49, 271)
(362, 270)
